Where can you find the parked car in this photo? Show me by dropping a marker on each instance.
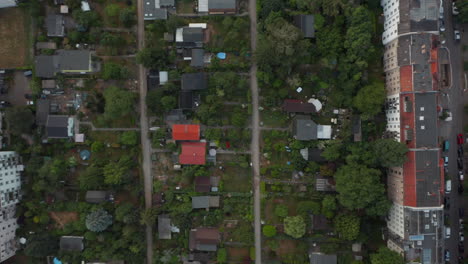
(447, 202)
(4, 104)
(447, 255)
(441, 26)
(461, 212)
(454, 9)
(457, 34)
(445, 161)
(460, 188)
(460, 175)
(446, 145)
(448, 186)
(461, 248)
(460, 151)
(460, 139)
(462, 237)
(460, 163)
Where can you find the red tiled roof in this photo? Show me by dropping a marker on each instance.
(409, 180)
(298, 106)
(406, 78)
(193, 153)
(186, 132)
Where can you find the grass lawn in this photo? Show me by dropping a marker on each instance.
(185, 6)
(274, 118)
(237, 179)
(14, 44)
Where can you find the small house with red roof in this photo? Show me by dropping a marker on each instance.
(185, 132)
(193, 153)
(298, 106)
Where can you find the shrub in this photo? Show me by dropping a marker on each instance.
(269, 230)
(281, 210)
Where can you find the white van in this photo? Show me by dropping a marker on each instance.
(447, 232)
(448, 186)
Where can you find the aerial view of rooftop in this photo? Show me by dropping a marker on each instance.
(233, 131)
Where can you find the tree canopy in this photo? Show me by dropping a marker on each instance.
(98, 220)
(347, 226)
(463, 9)
(390, 153)
(269, 230)
(370, 99)
(294, 226)
(358, 186)
(386, 256)
(13, 114)
(119, 102)
(152, 58)
(114, 71)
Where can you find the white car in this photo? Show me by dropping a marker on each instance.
(461, 176)
(454, 9)
(462, 237)
(456, 34)
(441, 26)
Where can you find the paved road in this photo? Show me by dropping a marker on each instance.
(255, 147)
(455, 100)
(145, 142)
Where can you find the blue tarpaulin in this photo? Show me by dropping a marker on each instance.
(56, 261)
(85, 154)
(221, 55)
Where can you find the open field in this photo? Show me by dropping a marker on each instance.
(13, 38)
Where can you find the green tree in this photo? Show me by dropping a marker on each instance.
(41, 245)
(329, 206)
(153, 101)
(462, 6)
(114, 173)
(269, 231)
(358, 186)
(239, 117)
(119, 102)
(281, 210)
(294, 226)
(114, 71)
(112, 10)
(98, 220)
(91, 178)
(173, 22)
(128, 17)
(221, 256)
(386, 256)
(168, 102)
(390, 153)
(370, 99)
(86, 19)
(97, 146)
(148, 216)
(129, 138)
(153, 58)
(13, 114)
(347, 226)
(126, 213)
(333, 150)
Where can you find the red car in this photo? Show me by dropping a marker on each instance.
(459, 139)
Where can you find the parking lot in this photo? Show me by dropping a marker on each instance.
(18, 86)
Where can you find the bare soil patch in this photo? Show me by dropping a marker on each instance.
(13, 38)
(63, 218)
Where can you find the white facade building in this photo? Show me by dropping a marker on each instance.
(10, 186)
(392, 18)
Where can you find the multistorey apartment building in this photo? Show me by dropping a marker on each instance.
(10, 187)
(416, 189)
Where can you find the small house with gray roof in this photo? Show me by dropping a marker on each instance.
(190, 37)
(65, 61)
(320, 258)
(55, 26)
(304, 128)
(306, 24)
(59, 126)
(217, 6)
(194, 81)
(204, 239)
(97, 197)
(205, 202)
(71, 243)
(164, 227)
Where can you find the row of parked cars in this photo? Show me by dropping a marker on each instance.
(448, 189)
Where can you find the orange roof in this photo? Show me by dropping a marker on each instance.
(186, 132)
